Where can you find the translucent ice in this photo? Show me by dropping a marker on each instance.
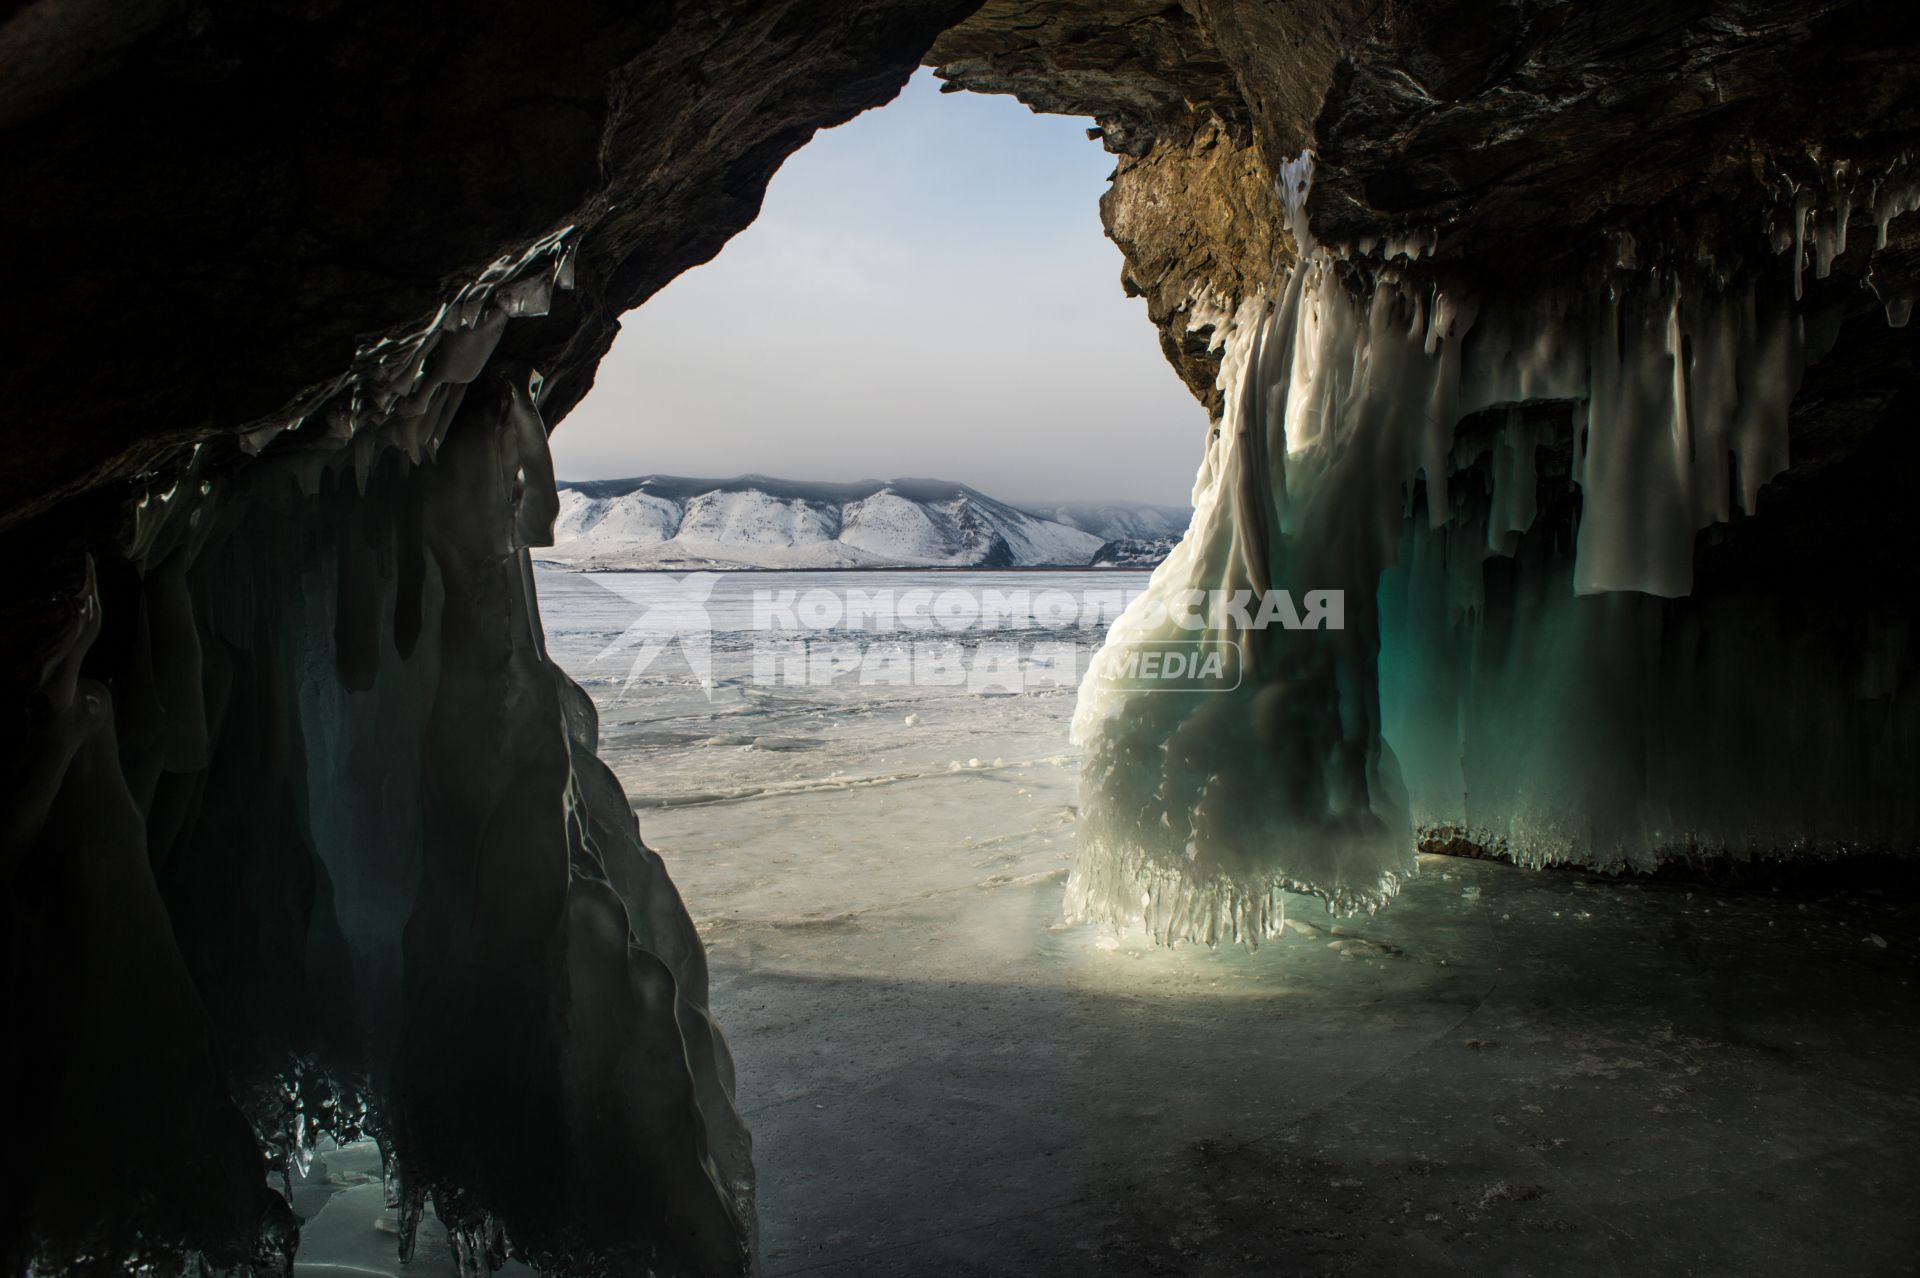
(1341, 463)
(332, 854)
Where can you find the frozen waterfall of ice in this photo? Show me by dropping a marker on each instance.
(1572, 716)
(335, 857)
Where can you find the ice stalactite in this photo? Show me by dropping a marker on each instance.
(1554, 722)
(313, 827)
(1200, 808)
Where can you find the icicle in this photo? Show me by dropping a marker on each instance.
(1892, 196)
(1202, 804)
(1804, 202)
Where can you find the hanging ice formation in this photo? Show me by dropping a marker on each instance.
(1506, 480)
(332, 855)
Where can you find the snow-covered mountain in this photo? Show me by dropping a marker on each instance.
(1135, 552)
(1116, 520)
(662, 521)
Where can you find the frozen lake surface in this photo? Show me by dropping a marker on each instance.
(1504, 1072)
(804, 801)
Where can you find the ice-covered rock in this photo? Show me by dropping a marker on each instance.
(1523, 659)
(332, 856)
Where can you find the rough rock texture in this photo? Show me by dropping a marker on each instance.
(1503, 130)
(211, 207)
(1192, 203)
(1139, 67)
(1196, 218)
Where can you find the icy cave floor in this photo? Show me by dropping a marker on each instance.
(1505, 1072)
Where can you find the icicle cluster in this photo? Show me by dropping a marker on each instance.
(1343, 394)
(412, 382)
(337, 835)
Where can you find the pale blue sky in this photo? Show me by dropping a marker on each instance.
(927, 292)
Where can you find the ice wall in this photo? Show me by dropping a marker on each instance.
(1521, 662)
(322, 848)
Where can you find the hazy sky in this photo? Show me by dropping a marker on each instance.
(926, 293)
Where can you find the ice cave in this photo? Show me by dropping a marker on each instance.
(1552, 912)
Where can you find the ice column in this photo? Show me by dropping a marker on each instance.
(1343, 388)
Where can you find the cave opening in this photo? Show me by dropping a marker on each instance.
(918, 776)
(869, 818)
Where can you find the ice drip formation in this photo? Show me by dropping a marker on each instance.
(1382, 435)
(1568, 341)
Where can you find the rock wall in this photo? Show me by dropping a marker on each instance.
(229, 201)
(1192, 205)
(1493, 133)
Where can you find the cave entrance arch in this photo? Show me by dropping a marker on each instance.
(913, 274)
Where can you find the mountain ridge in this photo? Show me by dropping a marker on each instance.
(756, 521)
